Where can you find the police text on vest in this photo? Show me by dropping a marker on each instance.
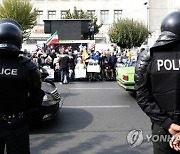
(168, 64)
(8, 71)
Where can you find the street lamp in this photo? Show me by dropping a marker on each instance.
(147, 15)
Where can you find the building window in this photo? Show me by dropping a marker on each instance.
(91, 12)
(40, 17)
(51, 14)
(63, 14)
(104, 16)
(117, 15)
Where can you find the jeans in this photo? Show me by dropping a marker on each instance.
(15, 137)
(161, 139)
(64, 73)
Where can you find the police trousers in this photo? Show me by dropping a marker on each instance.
(161, 140)
(14, 138)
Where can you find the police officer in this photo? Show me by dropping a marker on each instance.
(20, 90)
(157, 79)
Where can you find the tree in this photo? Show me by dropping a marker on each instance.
(22, 11)
(128, 33)
(80, 14)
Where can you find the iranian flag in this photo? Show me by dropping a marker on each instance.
(53, 39)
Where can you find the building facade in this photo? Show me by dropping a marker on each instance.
(157, 10)
(106, 11)
(149, 12)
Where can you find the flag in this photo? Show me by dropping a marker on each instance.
(53, 39)
(85, 55)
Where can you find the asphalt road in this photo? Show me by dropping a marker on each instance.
(96, 118)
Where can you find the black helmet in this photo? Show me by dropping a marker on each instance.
(11, 21)
(10, 35)
(171, 23)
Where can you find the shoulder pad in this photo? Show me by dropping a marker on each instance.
(140, 76)
(27, 62)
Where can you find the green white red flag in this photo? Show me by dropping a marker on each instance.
(53, 39)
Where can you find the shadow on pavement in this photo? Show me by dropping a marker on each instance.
(133, 94)
(125, 149)
(67, 120)
(99, 144)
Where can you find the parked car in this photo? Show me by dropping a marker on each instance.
(125, 77)
(51, 102)
(125, 71)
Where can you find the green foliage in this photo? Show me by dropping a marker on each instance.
(22, 11)
(80, 14)
(128, 33)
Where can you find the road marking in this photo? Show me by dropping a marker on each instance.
(94, 88)
(97, 107)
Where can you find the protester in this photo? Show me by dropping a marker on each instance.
(64, 67)
(106, 59)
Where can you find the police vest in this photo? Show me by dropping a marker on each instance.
(14, 82)
(165, 79)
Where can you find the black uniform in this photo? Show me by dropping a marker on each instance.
(20, 90)
(64, 68)
(158, 86)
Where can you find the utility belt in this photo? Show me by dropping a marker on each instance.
(12, 118)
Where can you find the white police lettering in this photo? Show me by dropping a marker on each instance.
(168, 64)
(8, 71)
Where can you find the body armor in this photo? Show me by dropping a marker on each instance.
(165, 80)
(15, 78)
(156, 80)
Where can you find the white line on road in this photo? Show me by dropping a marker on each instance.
(98, 107)
(94, 88)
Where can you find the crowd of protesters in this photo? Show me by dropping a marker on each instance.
(64, 61)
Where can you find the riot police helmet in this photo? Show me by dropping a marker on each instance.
(171, 23)
(10, 35)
